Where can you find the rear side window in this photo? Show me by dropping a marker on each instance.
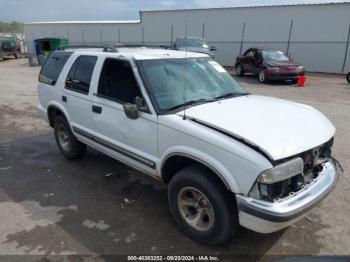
(80, 74)
(53, 66)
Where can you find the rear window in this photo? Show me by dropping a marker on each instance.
(53, 67)
(80, 74)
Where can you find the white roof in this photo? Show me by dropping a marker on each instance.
(141, 53)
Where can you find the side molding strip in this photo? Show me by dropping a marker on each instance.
(115, 148)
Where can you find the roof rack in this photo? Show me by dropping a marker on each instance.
(120, 45)
(114, 48)
(104, 48)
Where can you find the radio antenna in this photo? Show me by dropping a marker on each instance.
(185, 78)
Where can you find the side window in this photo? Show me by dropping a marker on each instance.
(250, 53)
(117, 82)
(79, 76)
(53, 66)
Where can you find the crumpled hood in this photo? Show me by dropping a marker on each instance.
(279, 128)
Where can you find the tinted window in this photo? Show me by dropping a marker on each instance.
(53, 67)
(117, 82)
(79, 76)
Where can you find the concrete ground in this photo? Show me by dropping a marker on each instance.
(50, 206)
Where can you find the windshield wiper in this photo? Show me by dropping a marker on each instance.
(191, 102)
(230, 95)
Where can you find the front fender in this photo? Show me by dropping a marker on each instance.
(203, 158)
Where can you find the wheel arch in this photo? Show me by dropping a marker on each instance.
(54, 110)
(176, 161)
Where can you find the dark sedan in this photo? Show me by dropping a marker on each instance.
(268, 64)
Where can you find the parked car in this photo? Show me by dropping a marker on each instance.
(268, 64)
(348, 77)
(194, 44)
(230, 158)
(8, 47)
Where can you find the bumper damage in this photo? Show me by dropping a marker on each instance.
(266, 217)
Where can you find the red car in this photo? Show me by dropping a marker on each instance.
(268, 64)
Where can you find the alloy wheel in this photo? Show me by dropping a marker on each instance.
(195, 209)
(262, 76)
(63, 138)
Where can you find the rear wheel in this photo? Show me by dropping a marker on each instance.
(69, 146)
(348, 77)
(203, 208)
(17, 55)
(262, 77)
(239, 70)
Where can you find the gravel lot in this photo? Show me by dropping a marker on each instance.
(51, 206)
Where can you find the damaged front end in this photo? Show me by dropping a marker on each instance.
(288, 191)
(290, 176)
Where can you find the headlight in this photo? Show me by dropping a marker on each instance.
(265, 186)
(282, 171)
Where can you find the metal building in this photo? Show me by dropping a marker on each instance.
(316, 35)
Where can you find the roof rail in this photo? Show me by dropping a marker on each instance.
(104, 48)
(113, 48)
(142, 45)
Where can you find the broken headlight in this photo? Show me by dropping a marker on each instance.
(276, 178)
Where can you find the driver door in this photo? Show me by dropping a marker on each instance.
(249, 63)
(133, 141)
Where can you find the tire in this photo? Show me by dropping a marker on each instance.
(17, 55)
(69, 146)
(1, 57)
(214, 229)
(348, 77)
(262, 77)
(239, 70)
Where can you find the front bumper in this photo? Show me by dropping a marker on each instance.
(283, 75)
(265, 217)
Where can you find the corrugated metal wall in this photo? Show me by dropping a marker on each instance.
(316, 35)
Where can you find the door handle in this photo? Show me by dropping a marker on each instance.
(97, 109)
(64, 99)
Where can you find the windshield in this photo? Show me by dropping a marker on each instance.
(194, 42)
(274, 56)
(205, 81)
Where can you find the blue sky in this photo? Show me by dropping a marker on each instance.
(58, 10)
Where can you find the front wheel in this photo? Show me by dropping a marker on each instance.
(239, 70)
(262, 77)
(69, 146)
(203, 208)
(348, 77)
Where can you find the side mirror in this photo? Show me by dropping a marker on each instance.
(213, 48)
(131, 111)
(140, 103)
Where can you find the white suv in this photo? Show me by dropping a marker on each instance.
(230, 158)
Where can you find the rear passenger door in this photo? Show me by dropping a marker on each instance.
(77, 92)
(133, 141)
